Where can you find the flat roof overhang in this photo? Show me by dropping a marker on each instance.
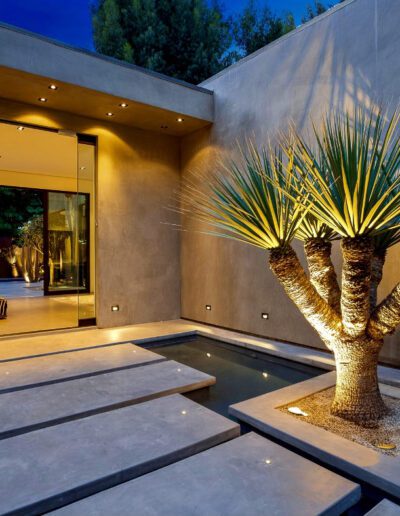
(92, 85)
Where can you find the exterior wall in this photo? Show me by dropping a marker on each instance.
(137, 256)
(350, 55)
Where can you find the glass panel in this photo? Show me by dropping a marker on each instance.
(86, 175)
(67, 223)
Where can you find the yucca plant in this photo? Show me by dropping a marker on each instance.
(347, 187)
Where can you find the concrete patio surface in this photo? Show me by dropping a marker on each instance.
(248, 476)
(262, 412)
(59, 402)
(44, 369)
(48, 468)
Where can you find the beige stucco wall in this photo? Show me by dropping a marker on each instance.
(137, 255)
(349, 56)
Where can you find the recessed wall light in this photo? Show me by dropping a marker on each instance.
(208, 307)
(123, 105)
(20, 128)
(110, 114)
(264, 315)
(53, 87)
(115, 308)
(42, 99)
(180, 119)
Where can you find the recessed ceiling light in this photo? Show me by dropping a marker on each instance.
(164, 127)
(180, 119)
(53, 87)
(20, 128)
(82, 168)
(123, 105)
(110, 114)
(42, 99)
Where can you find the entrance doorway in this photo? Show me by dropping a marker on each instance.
(46, 229)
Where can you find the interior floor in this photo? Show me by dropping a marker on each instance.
(30, 314)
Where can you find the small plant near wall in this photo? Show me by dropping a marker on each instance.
(344, 187)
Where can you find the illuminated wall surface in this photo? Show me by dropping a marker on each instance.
(153, 272)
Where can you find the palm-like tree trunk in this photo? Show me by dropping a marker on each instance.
(357, 395)
(322, 272)
(377, 263)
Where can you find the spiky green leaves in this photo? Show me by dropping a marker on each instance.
(353, 178)
(252, 200)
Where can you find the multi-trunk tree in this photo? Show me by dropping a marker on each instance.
(346, 186)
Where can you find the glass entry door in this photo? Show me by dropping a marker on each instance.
(66, 243)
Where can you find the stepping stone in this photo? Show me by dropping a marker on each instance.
(385, 508)
(51, 404)
(247, 476)
(40, 370)
(48, 468)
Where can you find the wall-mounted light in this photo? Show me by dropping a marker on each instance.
(123, 105)
(53, 87)
(208, 307)
(115, 308)
(42, 99)
(264, 315)
(180, 119)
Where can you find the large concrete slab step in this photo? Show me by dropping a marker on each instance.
(385, 508)
(50, 404)
(247, 476)
(40, 370)
(48, 468)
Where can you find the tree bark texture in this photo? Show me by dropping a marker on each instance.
(322, 272)
(289, 271)
(356, 280)
(377, 263)
(357, 396)
(386, 316)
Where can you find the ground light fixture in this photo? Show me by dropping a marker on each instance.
(297, 411)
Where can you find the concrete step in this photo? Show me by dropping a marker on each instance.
(20, 374)
(48, 468)
(52, 404)
(385, 508)
(247, 476)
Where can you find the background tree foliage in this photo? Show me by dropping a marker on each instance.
(18, 206)
(190, 40)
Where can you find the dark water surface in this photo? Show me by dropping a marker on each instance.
(241, 373)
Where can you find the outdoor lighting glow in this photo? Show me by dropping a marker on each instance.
(208, 355)
(180, 119)
(267, 461)
(115, 308)
(386, 446)
(110, 114)
(42, 99)
(297, 411)
(179, 370)
(265, 375)
(183, 412)
(21, 128)
(123, 105)
(53, 87)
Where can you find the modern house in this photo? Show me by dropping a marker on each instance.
(103, 145)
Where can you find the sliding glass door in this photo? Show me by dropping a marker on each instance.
(66, 243)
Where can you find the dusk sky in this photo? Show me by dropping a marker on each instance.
(69, 21)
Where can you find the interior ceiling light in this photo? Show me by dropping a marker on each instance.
(123, 105)
(20, 128)
(42, 99)
(110, 114)
(180, 119)
(53, 87)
